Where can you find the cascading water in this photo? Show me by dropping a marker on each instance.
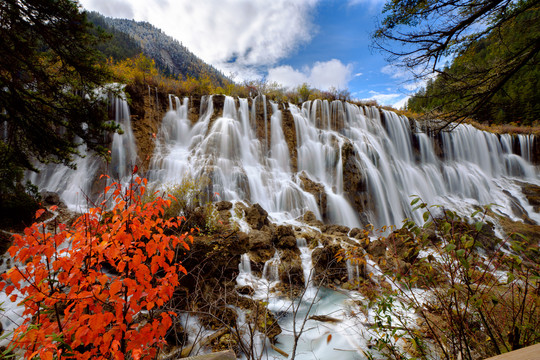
(393, 162)
(227, 153)
(123, 148)
(76, 186)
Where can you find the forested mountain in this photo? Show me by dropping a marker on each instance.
(518, 100)
(118, 45)
(171, 57)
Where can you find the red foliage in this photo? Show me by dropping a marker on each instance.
(97, 288)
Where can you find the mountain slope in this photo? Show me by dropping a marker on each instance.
(118, 45)
(171, 57)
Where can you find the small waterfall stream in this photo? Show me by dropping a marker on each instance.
(77, 187)
(123, 148)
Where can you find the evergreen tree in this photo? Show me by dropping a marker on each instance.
(49, 72)
(493, 43)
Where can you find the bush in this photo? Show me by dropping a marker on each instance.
(464, 297)
(189, 199)
(97, 288)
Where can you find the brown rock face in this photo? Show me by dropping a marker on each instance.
(216, 256)
(355, 182)
(535, 156)
(532, 193)
(261, 249)
(290, 269)
(51, 198)
(289, 131)
(284, 238)
(257, 217)
(223, 205)
(147, 110)
(317, 190)
(218, 102)
(335, 230)
(262, 132)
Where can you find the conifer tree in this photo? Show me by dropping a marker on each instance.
(49, 73)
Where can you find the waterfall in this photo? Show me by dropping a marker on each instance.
(338, 145)
(348, 164)
(123, 148)
(271, 268)
(279, 152)
(77, 187)
(307, 265)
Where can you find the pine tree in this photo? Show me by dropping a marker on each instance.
(49, 72)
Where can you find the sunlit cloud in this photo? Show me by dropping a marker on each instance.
(322, 75)
(401, 104)
(287, 76)
(383, 99)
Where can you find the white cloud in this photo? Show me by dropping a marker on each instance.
(287, 76)
(113, 8)
(322, 75)
(358, 74)
(396, 72)
(330, 73)
(230, 34)
(401, 104)
(373, 5)
(383, 99)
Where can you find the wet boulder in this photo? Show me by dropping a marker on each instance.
(290, 269)
(284, 237)
(50, 198)
(310, 219)
(335, 229)
(354, 180)
(315, 189)
(261, 249)
(223, 205)
(532, 193)
(256, 217)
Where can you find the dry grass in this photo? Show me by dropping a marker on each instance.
(510, 128)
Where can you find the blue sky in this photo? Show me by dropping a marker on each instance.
(322, 42)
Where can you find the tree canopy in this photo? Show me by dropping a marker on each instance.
(48, 77)
(422, 35)
(49, 74)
